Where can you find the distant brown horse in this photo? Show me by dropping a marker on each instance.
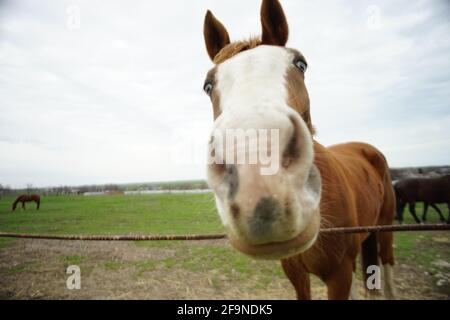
(27, 198)
(429, 190)
(259, 85)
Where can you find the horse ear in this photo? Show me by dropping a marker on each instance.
(275, 29)
(216, 36)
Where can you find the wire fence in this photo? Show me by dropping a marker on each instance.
(138, 237)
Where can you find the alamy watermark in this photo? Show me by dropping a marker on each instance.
(251, 146)
(259, 147)
(73, 282)
(373, 281)
(73, 17)
(373, 21)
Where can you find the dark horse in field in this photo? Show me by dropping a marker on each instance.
(27, 198)
(429, 190)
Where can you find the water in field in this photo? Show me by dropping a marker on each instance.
(139, 192)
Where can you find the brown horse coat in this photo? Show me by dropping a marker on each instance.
(27, 198)
(356, 191)
(429, 190)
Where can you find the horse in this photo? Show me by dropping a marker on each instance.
(256, 85)
(27, 198)
(429, 190)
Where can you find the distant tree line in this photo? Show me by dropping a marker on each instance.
(428, 171)
(59, 190)
(396, 173)
(5, 190)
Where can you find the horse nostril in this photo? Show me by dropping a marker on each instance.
(216, 164)
(218, 169)
(292, 151)
(232, 180)
(266, 212)
(235, 210)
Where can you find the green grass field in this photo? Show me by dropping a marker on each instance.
(175, 214)
(158, 214)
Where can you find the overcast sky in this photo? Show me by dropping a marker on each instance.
(111, 91)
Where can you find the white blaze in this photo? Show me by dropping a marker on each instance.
(254, 78)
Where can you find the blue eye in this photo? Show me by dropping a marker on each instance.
(208, 87)
(300, 64)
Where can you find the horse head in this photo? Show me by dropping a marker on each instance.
(257, 89)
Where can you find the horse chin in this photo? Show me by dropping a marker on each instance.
(284, 249)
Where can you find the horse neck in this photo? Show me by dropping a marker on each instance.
(334, 185)
(324, 161)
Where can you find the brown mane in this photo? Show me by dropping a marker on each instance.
(234, 48)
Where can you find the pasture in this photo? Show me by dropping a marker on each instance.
(172, 270)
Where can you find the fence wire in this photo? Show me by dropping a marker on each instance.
(139, 237)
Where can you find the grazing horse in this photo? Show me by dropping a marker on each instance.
(27, 198)
(259, 85)
(429, 190)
